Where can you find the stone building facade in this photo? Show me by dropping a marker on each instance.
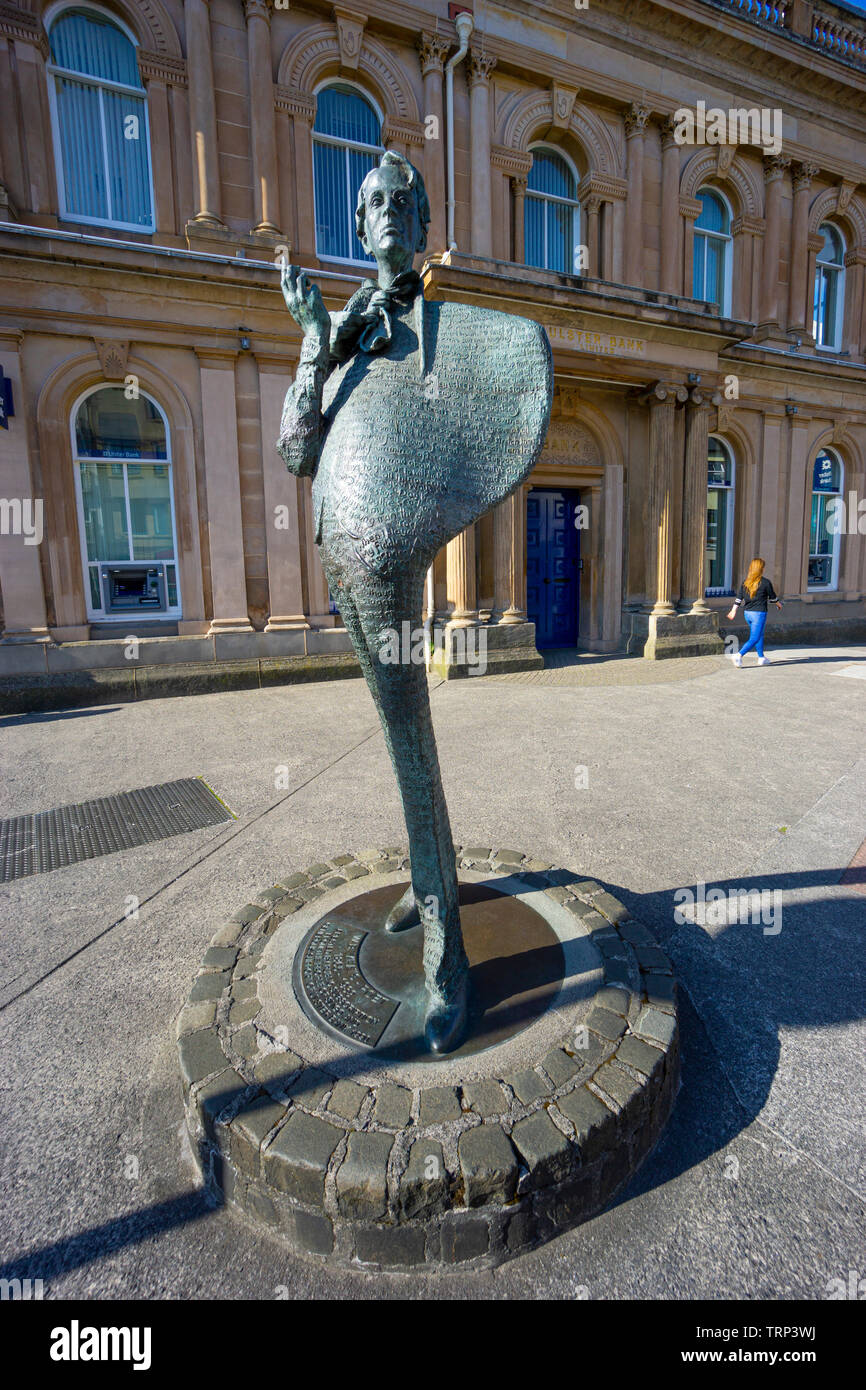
(708, 322)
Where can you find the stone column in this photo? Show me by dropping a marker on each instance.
(518, 189)
(774, 173)
(433, 49)
(508, 544)
(694, 534)
(301, 108)
(282, 505)
(635, 125)
(670, 258)
(461, 579)
(222, 480)
(854, 321)
(262, 134)
(592, 207)
(156, 75)
(31, 51)
(799, 264)
(690, 211)
(24, 616)
(747, 233)
(202, 114)
(480, 66)
(662, 400)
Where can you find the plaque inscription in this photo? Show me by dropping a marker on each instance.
(335, 985)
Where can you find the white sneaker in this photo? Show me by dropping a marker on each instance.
(763, 661)
(736, 658)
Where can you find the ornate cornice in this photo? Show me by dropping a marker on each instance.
(432, 49)
(299, 104)
(511, 162)
(16, 23)
(603, 186)
(156, 67)
(394, 128)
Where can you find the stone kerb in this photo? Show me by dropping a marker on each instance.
(392, 1167)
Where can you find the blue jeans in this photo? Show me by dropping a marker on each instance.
(757, 622)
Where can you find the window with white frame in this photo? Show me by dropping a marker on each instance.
(718, 560)
(347, 144)
(829, 289)
(827, 480)
(123, 486)
(711, 266)
(551, 213)
(99, 117)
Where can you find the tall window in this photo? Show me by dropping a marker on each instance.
(711, 274)
(125, 499)
(824, 523)
(829, 281)
(346, 146)
(720, 518)
(99, 115)
(552, 214)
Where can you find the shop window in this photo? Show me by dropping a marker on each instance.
(123, 484)
(552, 213)
(347, 144)
(99, 116)
(711, 275)
(829, 290)
(823, 526)
(720, 518)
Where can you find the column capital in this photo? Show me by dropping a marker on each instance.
(257, 9)
(603, 186)
(636, 118)
(803, 175)
(402, 131)
(432, 49)
(748, 226)
(691, 208)
(668, 127)
(703, 398)
(481, 65)
(775, 167)
(664, 393)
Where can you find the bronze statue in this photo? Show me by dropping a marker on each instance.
(415, 418)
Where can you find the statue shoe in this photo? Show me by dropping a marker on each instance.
(404, 913)
(447, 1021)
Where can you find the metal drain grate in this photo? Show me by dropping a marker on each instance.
(48, 840)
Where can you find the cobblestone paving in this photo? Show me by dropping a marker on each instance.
(588, 668)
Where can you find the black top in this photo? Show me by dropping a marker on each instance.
(757, 604)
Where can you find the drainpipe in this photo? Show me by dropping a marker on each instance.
(465, 24)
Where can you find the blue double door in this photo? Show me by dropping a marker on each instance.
(553, 566)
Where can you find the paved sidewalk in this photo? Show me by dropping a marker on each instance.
(696, 772)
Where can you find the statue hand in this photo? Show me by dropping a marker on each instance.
(305, 304)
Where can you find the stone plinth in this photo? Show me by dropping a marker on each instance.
(352, 1154)
(657, 636)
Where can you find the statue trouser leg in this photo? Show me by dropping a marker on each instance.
(371, 608)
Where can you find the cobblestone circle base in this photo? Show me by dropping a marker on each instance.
(383, 1165)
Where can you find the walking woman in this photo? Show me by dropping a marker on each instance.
(755, 594)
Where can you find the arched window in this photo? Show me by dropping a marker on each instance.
(99, 115)
(825, 522)
(829, 282)
(720, 518)
(552, 213)
(347, 144)
(711, 274)
(123, 485)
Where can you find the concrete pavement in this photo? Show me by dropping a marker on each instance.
(649, 777)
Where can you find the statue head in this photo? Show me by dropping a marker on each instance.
(393, 213)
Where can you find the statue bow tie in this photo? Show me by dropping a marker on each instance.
(376, 335)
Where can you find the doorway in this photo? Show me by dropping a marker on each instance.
(553, 566)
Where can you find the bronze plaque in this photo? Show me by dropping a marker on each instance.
(335, 986)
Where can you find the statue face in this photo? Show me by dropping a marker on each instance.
(392, 230)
